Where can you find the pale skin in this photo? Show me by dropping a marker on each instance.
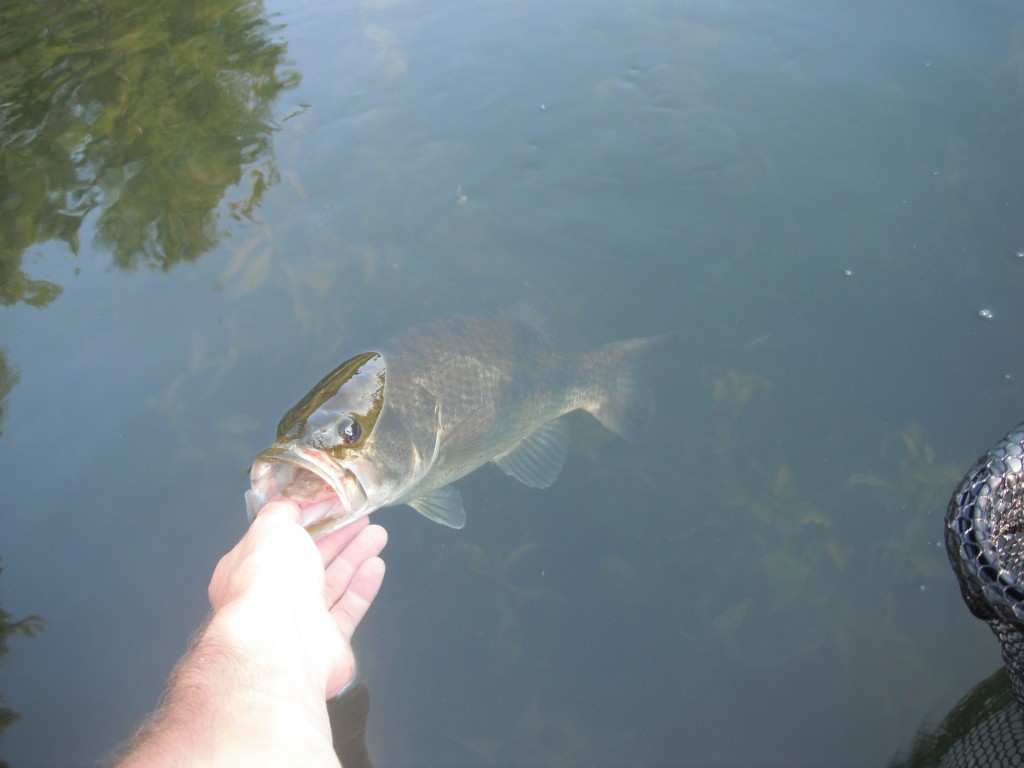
(252, 689)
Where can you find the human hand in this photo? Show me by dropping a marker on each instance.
(295, 602)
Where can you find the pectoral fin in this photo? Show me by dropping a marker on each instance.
(442, 505)
(538, 458)
(459, 442)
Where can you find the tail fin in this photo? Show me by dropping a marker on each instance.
(625, 405)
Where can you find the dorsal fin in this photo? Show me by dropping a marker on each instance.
(531, 310)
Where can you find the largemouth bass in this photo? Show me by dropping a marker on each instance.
(435, 402)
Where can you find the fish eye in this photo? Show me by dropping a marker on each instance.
(350, 431)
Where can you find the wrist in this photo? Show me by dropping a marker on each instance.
(270, 651)
(233, 700)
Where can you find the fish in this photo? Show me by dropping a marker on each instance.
(433, 403)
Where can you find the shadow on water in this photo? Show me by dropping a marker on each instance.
(144, 116)
(348, 714)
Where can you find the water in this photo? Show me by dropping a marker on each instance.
(821, 199)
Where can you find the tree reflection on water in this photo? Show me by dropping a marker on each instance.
(30, 626)
(145, 118)
(143, 115)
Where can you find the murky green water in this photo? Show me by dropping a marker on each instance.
(205, 207)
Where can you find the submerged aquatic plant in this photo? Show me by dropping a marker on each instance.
(774, 572)
(508, 589)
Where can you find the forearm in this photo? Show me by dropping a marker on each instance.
(232, 700)
(252, 689)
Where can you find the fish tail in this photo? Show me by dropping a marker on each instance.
(624, 404)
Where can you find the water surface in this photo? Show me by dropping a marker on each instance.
(206, 209)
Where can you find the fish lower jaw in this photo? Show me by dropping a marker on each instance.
(329, 522)
(328, 497)
(313, 513)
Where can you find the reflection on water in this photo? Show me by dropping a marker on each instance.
(29, 626)
(147, 120)
(143, 115)
(8, 378)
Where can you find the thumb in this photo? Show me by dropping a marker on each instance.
(281, 507)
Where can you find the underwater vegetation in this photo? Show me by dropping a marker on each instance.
(783, 565)
(503, 575)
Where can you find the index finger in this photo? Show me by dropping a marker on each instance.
(334, 543)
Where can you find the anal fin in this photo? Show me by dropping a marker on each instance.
(537, 459)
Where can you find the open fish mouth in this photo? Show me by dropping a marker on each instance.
(328, 495)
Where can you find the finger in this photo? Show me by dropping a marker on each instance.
(279, 506)
(272, 515)
(339, 573)
(356, 601)
(334, 544)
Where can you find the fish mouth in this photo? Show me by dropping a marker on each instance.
(328, 494)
